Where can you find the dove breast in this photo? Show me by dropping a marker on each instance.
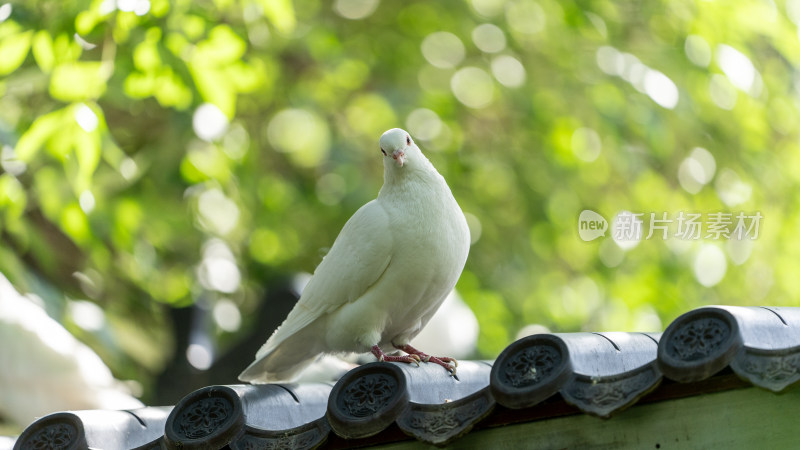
(429, 241)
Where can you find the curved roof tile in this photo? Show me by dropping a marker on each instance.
(760, 344)
(598, 373)
(108, 430)
(425, 402)
(250, 416)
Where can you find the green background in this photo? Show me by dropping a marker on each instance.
(109, 194)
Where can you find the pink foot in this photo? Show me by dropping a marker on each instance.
(384, 357)
(445, 361)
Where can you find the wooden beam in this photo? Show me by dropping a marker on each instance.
(735, 419)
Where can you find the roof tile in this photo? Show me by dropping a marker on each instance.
(598, 373)
(761, 344)
(109, 430)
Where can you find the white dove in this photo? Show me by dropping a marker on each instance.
(390, 268)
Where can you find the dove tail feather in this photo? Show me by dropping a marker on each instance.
(280, 363)
(265, 371)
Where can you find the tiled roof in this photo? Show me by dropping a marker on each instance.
(595, 373)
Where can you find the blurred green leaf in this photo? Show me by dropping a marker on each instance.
(73, 222)
(213, 88)
(87, 150)
(65, 48)
(43, 51)
(145, 57)
(86, 21)
(280, 13)
(77, 81)
(170, 89)
(222, 47)
(39, 132)
(14, 49)
(13, 198)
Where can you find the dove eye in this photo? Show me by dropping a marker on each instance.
(382, 151)
(408, 140)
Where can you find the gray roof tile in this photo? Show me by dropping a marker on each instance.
(600, 373)
(761, 344)
(537, 376)
(109, 430)
(425, 402)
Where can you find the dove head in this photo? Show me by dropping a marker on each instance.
(398, 148)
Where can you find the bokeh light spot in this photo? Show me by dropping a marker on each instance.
(10, 163)
(227, 316)
(198, 356)
(661, 89)
(209, 122)
(86, 118)
(355, 9)
(424, 124)
(489, 38)
(87, 315)
(731, 189)
(475, 227)
(722, 92)
(128, 168)
(609, 60)
(301, 134)
(709, 265)
(217, 212)
(627, 229)
(5, 11)
(586, 144)
(443, 50)
(508, 71)
(265, 246)
(793, 11)
(86, 201)
(610, 254)
(697, 50)
(525, 16)
(737, 67)
(473, 87)
(488, 8)
(739, 250)
(696, 170)
(370, 115)
(218, 270)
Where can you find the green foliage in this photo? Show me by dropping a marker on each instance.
(140, 137)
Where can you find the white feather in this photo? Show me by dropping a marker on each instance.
(45, 369)
(388, 271)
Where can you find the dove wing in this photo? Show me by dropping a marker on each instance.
(358, 258)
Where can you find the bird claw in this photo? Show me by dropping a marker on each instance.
(448, 359)
(405, 359)
(450, 364)
(383, 357)
(415, 356)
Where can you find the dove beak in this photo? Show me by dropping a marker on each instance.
(400, 157)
